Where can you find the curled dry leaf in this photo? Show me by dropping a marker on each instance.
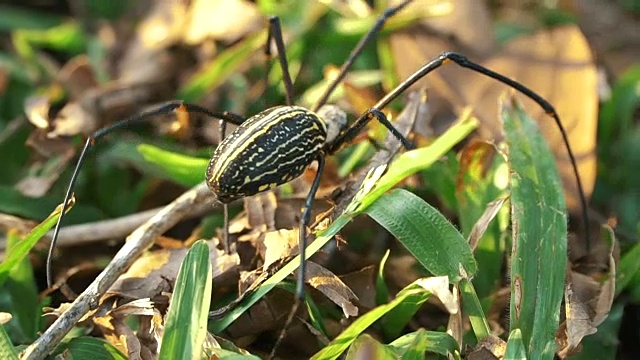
(332, 287)
(439, 286)
(140, 344)
(483, 222)
(489, 348)
(587, 304)
(557, 64)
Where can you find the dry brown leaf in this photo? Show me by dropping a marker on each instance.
(155, 273)
(226, 20)
(587, 304)
(279, 244)
(557, 64)
(483, 222)
(489, 348)
(332, 287)
(77, 76)
(362, 283)
(146, 58)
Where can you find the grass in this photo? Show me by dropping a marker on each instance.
(480, 223)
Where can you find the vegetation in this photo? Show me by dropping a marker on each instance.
(464, 245)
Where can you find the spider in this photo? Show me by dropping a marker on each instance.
(276, 145)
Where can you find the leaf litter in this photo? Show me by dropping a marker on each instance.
(146, 70)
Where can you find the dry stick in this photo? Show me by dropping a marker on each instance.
(109, 229)
(195, 199)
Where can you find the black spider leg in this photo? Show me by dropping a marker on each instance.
(93, 138)
(225, 207)
(356, 52)
(275, 34)
(462, 61)
(302, 246)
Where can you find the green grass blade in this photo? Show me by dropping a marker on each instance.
(539, 222)
(628, 268)
(6, 348)
(349, 335)
(17, 253)
(515, 347)
(414, 345)
(183, 169)
(86, 347)
(473, 309)
(186, 325)
(426, 233)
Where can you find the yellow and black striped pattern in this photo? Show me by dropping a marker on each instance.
(267, 150)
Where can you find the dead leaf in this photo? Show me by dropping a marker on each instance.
(439, 287)
(556, 64)
(226, 20)
(147, 58)
(278, 245)
(489, 348)
(77, 76)
(483, 222)
(155, 273)
(587, 304)
(332, 287)
(362, 283)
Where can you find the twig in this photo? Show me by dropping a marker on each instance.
(197, 198)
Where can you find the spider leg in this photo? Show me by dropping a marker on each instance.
(462, 61)
(356, 52)
(359, 124)
(275, 34)
(96, 136)
(302, 245)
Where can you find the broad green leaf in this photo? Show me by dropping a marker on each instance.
(628, 268)
(93, 348)
(185, 170)
(20, 250)
(410, 163)
(12, 18)
(539, 222)
(413, 345)
(426, 233)
(186, 326)
(6, 348)
(223, 354)
(515, 347)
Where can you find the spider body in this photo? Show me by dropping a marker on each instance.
(271, 148)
